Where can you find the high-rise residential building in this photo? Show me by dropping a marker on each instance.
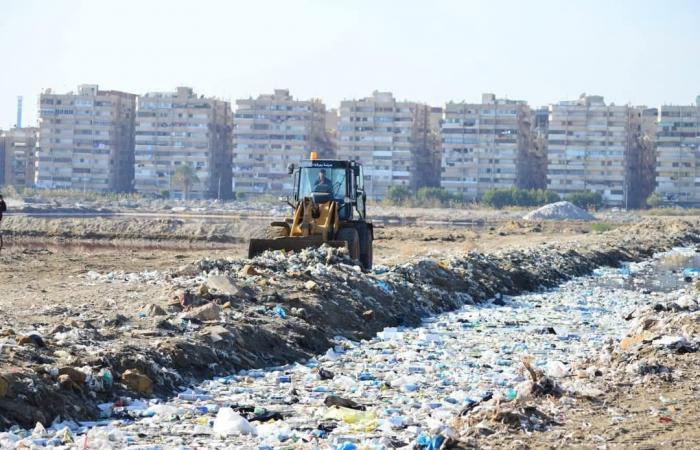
(17, 167)
(390, 138)
(86, 140)
(486, 146)
(593, 147)
(183, 145)
(678, 154)
(271, 132)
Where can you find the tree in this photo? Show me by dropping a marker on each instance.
(185, 177)
(654, 200)
(433, 196)
(498, 198)
(396, 195)
(585, 199)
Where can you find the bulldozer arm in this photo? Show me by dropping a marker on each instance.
(290, 244)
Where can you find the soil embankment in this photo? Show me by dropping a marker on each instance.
(217, 316)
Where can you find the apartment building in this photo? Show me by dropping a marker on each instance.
(678, 154)
(486, 146)
(180, 129)
(593, 147)
(18, 156)
(271, 132)
(390, 138)
(86, 140)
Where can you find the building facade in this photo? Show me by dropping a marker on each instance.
(86, 140)
(183, 145)
(271, 132)
(593, 147)
(678, 154)
(18, 154)
(390, 138)
(486, 146)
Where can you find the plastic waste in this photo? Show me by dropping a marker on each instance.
(229, 422)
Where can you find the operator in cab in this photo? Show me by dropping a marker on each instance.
(323, 185)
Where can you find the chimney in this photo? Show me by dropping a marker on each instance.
(19, 112)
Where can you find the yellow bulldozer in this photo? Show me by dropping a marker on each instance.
(329, 203)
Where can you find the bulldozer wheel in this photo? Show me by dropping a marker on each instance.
(350, 236)
(276, 231)
(368, 255)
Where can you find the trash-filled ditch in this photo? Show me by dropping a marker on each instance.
(476, 371)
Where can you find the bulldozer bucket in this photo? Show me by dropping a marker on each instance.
(290, 244)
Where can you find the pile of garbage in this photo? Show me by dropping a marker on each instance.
(225, 316)
(559, 211)
(472, 376)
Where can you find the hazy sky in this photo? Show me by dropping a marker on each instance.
(638, 51)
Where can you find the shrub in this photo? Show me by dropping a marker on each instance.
(434, 195)
(601, 227)
(585, 199)
(654, 200)
(425, 197)
(397, 195)
(499, 198)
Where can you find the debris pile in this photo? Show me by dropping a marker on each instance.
(474, 375)
(559, 211)
(240, 316)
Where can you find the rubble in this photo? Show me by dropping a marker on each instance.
(137, 381)
(559, 211)
(153, 310)
(207, 312)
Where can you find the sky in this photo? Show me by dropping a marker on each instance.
(433, 51)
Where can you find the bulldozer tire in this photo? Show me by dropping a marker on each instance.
(350, 236)
(366, 258)
(276, 231)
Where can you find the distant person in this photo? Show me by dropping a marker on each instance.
(323, 185)
(3, 207)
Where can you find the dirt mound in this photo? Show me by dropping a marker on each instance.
(559, 211)
(160, 228)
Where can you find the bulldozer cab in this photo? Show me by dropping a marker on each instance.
(332, 180)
